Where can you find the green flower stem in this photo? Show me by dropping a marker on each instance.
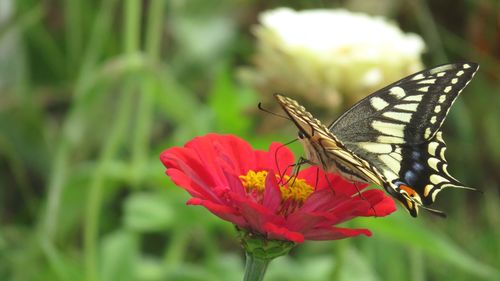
(259, 252)
(255, 268)
(340, 249)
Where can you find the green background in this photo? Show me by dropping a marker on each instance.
(92, 91)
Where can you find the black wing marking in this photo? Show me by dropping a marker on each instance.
(424, 169)
(415, 174)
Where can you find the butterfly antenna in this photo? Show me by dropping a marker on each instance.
(259, 106)
(276, 159)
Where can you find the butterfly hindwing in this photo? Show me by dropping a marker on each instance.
(425, 169)
(415, 174)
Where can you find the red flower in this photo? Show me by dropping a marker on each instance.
(242, 185)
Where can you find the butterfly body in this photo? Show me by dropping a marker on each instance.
(392, 137)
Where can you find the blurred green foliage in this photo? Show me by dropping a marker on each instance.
(92, 91)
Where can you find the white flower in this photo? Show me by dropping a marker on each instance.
(330, 57)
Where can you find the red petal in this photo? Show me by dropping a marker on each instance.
(192, 184)
(180, 179)
(381, 204)
(334, 233)
(350, 209)
(322, 200)
(235, 184)
(238, 152)
(279, 158)
(279, 233)
(321, 180)
(214, 154)
(186, 161)
(222, 211)
(272, 194)
(301, 221)
(255, 214)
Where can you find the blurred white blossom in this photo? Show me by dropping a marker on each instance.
(330, 57)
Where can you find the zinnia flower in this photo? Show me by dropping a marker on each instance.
(329, 58)
(254, 190)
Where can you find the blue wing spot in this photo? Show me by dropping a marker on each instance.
(417, 167)
(410, 177)
(415, 154)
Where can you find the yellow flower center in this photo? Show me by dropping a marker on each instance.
(292, 189)
(254, 181)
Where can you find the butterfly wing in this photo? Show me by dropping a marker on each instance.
(322, 148)
(409, 111)
(397, 129)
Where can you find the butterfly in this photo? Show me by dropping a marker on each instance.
(391, 138)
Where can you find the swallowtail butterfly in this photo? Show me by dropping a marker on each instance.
(392, 137)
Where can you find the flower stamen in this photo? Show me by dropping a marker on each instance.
(254, 181)
(294, 189)
(297, 190)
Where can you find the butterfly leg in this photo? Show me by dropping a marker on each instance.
(326, 179)
(364, 198)
(296, 168)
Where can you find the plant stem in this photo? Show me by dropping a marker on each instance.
(74, 32)
(149, 88)
(340, 249)
(132, 13)
(255, 268)
(154, 29)
(94, 200)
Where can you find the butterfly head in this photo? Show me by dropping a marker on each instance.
(309, 127)
(314, 136)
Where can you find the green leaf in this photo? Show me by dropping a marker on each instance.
(145, 212)
(119, 256)
(229, 102)
(414, 233)
(356, 266)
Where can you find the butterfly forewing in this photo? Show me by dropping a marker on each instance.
(322, 148)
(409, 111)
(392, 137)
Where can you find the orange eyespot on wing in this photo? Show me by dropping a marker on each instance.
(410, 191)
(409, 198)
